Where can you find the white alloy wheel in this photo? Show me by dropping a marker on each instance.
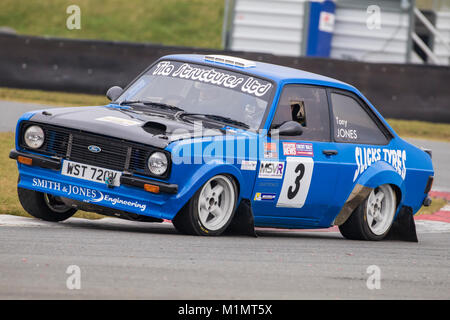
(216, 202)
(380, 209)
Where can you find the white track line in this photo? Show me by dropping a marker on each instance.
(16, 221)
(422, 226)
(429, 226)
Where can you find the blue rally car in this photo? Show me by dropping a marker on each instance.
(217, 142)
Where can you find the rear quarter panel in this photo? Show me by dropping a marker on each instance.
(409, 173)
(419, 169)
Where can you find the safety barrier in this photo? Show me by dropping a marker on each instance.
(403, 91)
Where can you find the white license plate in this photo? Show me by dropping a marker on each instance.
(91, 173)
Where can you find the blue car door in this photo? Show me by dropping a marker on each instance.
(297, 175)
(362, 141)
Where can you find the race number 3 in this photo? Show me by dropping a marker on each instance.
(297, 179)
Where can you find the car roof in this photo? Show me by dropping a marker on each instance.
(274, 72)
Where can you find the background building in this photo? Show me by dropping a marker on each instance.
(392, 31)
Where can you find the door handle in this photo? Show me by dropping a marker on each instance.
(330, 152)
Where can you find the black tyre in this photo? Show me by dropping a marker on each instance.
(44, 206)
(210, 211)
(373, 219)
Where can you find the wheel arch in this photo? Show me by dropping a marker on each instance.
(398, 194)
(201, 176)
(382, 173)
(378, 174)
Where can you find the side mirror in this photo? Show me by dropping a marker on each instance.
(113, 93)
(290, 128)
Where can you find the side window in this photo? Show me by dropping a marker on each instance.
(352, 123)
(309, 107)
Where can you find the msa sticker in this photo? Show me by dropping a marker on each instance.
(270, 150)
(326, 21)
(271, 170)
(119, 121)
(248, 165)
(296, 182)
(298, 149)
(264, 196)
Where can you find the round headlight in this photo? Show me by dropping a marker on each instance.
(158, 163)
(34, 137)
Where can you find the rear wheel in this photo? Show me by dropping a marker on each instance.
(373, 218)
(210, 210)
(44, 206)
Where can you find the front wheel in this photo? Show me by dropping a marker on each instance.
(44, 206)
(210, 210)
(373, 219)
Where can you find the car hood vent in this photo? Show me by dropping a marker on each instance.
(155, 128)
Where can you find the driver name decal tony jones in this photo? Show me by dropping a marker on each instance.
(227, 79)
(366, 157)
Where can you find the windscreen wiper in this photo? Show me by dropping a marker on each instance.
(159, 105)
(216, 118)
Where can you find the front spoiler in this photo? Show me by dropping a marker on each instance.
(125, 179)
(40, 161)
(44, 176)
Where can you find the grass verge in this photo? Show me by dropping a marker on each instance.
(52, 98)
(421, 129)
(170, 22)
(436, 205)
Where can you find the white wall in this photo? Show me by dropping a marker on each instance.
(353, 40)
(270, 26)
(443, 27)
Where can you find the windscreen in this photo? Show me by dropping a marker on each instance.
(204, 90)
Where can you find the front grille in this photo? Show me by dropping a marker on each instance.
(74, 145)
(113, 154)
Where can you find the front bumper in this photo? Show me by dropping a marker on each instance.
(40, 161)
(43, 174)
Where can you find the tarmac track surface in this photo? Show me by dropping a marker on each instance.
(126, 260)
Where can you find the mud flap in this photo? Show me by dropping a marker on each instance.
(404, 227)
(243, 222)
